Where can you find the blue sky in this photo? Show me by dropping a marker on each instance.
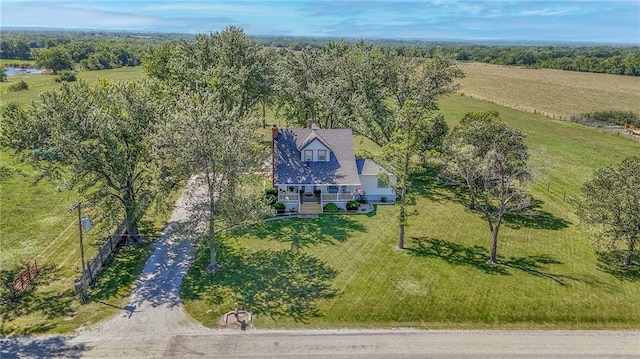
(609, 21)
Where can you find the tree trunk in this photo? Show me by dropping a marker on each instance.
(627, 258)
(212, 243)
(131, 209)
(494, 246)
(401, 225)
(494, 241)
(403, 194)
(132, 230)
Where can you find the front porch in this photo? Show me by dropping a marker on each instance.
(297, 197)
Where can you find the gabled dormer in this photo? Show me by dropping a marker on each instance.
(315, 149)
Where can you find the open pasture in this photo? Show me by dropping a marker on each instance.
(554, 93)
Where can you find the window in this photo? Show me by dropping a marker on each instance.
(332, 189)
(308, 155)
(322, 155)
(382, 184)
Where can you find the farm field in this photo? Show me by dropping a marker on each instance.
(42, 82)
(555, 93)
(549, 277)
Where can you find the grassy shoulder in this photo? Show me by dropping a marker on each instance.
(549, 275)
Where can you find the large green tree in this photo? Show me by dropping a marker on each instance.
(97, 139)
(610, 206)
(401, 155)
(55, 58)
(217, 149)
(490, 159)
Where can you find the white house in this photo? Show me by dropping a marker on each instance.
(313, 167)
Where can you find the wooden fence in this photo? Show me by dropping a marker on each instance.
(94, 266)
(24, 279)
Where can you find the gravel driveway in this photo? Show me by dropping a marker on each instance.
(155, 308)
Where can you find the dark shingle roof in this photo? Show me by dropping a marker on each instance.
(291, 170)
(368, 167)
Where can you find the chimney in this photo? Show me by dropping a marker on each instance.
(274, 135)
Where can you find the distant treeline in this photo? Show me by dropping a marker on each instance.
(89, 50)
(618, 60)
(106, 49)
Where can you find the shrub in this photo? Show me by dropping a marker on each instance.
(383, 199)
(278, 205)
(353, 205)
(66, 76)
(19, 86)
(271, 191)
(331, 207)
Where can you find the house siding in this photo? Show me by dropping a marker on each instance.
(372, 192)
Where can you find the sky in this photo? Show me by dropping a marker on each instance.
(608, 21)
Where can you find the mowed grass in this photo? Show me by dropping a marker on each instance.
(42, 82)
(549, 274)
(552, 92)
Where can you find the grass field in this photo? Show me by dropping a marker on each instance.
(35, 224)
(549, 276)
(42, 82)
(552, 92)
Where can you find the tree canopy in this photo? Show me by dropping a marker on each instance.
(490, 159)
(610, 206)
(97, 139)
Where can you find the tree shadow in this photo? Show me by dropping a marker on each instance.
(431, 185)
(50, 303)
(303, 233)
(456, 254)
(534, 217)
(39, 347)
(477, 257)
(122, 270)
(611, 262)
(283, 283)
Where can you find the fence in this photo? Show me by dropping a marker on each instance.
(94, 266)
(24, 279)
(529, 109)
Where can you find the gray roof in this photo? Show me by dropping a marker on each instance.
(368, 167)
(291, 170)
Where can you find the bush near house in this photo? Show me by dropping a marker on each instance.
(331, 207)
(279, 207)
(353, 205)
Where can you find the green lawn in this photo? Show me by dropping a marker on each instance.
(549, 276)
(42, 82)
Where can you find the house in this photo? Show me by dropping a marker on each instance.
(313, 166)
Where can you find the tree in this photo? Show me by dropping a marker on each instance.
(610, 206)
(98, 139)
(3, 74)
(216, 148)
(54, 58)
(491, 160)
(399, 156)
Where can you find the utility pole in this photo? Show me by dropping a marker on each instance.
(79, 207)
